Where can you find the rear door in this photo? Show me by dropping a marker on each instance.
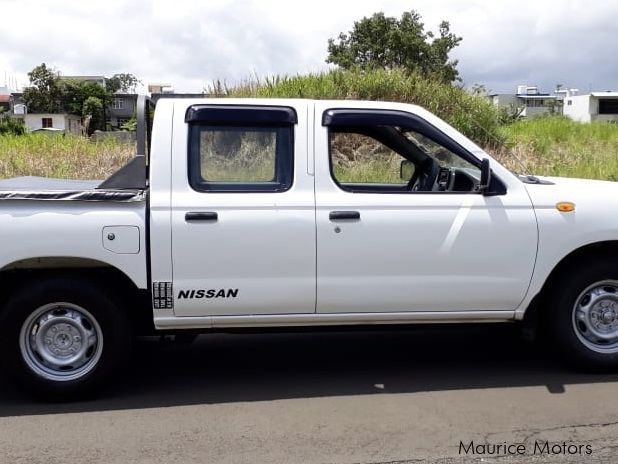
(243, 215)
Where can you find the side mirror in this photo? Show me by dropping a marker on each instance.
(406, 170)
(485, 176)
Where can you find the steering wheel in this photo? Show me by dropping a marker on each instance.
(424, 179)
(413, 180)
(432, 176)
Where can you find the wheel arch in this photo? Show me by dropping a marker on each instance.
(17, 275)
(577, 257)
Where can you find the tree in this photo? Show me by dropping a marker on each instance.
(48, 93)
(93, 114)
(123, 82)
(388, 42)
(75, 93)
(45, 93)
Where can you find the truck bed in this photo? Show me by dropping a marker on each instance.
(42, 188)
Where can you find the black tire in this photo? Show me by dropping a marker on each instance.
(111, 323)
(563, 296)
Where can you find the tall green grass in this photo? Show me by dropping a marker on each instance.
(558, 146)
(70, 157)
(475, 116)
(553, 146)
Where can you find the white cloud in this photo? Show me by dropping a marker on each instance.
(190, 42)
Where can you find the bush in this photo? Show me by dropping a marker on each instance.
(11, 126)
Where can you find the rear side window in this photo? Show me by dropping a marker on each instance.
(236, 156)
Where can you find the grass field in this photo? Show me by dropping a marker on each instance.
(557, 146)
(546, 146)
(68, 157)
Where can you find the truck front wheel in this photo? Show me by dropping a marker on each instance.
(64, 337)
(584, 315)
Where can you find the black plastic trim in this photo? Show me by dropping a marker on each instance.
(145, 115)
(343, 215)
(131, 176)
(192, 216)
(241, 115)
(118, 196)
(534, 180)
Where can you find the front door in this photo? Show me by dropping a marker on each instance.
(243, 228)
(402, 227)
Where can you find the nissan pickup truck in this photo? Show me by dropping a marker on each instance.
(270, 213)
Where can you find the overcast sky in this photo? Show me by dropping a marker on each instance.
(188, 43)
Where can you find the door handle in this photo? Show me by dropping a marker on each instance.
(193, 216)
(342, 215)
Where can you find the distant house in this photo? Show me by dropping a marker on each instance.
(122, 107)
(67, 123)
(121, 110)
(596, 106)
(528, 101)
(61, 122)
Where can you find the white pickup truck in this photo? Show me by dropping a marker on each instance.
(256, 213)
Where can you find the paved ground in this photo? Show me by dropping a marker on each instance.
(357, 397)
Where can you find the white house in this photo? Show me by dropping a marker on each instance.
(68, 123)
(528, 101)
(597, 106)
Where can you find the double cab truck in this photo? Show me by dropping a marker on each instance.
(271, 213)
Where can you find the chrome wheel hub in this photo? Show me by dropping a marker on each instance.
(61, 341)
(595, 317)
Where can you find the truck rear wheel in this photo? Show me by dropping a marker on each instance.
(63, 338)
(583, 315)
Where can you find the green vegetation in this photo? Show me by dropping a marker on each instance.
(557, 146)
(69, 157)
(123, 82)
(377, 172)
(552, 146)
(385, 42)
(475, 116)
(10, 125)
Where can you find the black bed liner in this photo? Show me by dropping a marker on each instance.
(42, 188)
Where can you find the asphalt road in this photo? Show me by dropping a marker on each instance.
(355, 397)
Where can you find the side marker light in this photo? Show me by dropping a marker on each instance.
(565, 206)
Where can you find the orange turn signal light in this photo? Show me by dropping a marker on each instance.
(565, 206)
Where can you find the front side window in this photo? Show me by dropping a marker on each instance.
(393, 159)
(361, 159)
(246, 158)
(46, 123)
